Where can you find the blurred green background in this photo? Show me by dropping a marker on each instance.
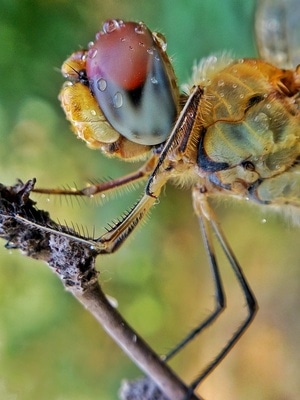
(50, 348)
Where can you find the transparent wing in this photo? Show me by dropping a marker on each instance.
(278, 32)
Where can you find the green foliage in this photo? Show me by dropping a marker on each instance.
(50, 348)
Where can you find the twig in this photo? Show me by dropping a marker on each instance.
(72, 257)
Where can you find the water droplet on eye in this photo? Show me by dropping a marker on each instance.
(118, 100)
(102, 84)
(92, 53)
(140, 29)
(221, 83)
(134, 338)
(154, 80)
(111, 25)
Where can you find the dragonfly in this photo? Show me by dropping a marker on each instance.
(234, 132)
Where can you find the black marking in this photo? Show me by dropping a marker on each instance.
(257, 98)
(204, 162)
(253, 193)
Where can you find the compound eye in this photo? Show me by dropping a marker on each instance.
(133, 82)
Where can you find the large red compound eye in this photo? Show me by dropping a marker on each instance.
(132, 82)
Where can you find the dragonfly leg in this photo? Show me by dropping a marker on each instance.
(205, 213)
(208, 224)
(220, 299)
(107, 186)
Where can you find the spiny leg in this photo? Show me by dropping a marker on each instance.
(103, 187)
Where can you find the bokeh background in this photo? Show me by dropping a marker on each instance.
(50, 348)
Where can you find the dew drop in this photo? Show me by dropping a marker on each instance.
(111, 25)
(102, 84)
(241, 96)
(93, 112)
(140, 29)
(234, 86)
(118, 100)
(154, 80)
(90, 44)
(134, 338)
(150, 50)
(92, 53)
(263, 221)
(221, 83)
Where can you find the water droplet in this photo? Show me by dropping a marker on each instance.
(134, 338)
(268, 106)
(92, 53)
(118, 100)
(140, 29)
(221, 83)
(234, 86)
(93, 112)
(102, 84)
(91, 44)
(111, 25)
(242, 96)
(241, 60)
(154, 80)
(263, 221)
(150, 50)
(222, 94)
(142, 44)
(103, 195)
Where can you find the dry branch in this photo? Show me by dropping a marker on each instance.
(72, 257)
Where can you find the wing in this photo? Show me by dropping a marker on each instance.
(278, 32)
